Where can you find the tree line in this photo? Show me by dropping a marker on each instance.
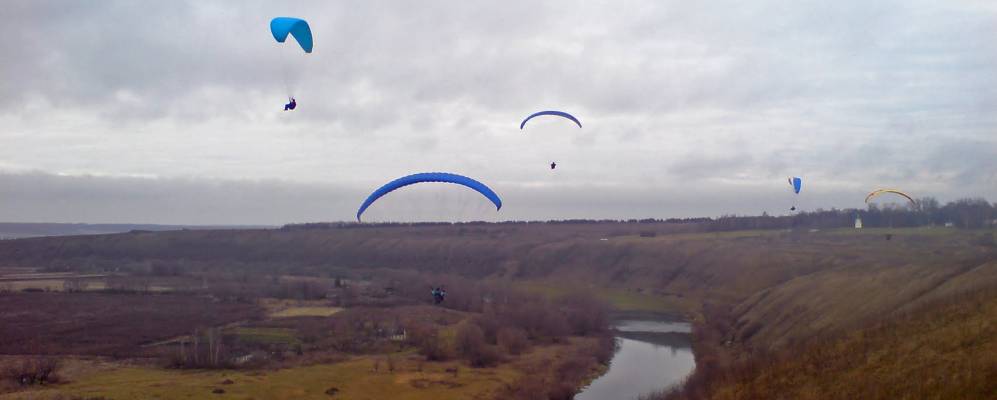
(967, 213)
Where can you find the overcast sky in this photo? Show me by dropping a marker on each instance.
(171, 111)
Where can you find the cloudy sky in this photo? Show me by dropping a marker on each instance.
(171, 112)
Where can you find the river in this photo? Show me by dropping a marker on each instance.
(652, 355)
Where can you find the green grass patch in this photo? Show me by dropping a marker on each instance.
(624, 300)
(924, 230)
(306, 312)
(620, 299)
(266, 335)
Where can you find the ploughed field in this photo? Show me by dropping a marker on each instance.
(105, 324)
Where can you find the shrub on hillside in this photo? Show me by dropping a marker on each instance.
(604, 349)
(469, 338)
(513, 340)
(585, 314)
(32, 371)
(471, 345)
(537, 317)
(430, 345)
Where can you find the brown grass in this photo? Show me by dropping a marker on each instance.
(945, 350)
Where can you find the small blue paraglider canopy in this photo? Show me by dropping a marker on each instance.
(797, 184)
(430, 177)
(280, 27)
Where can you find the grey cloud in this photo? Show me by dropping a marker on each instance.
(849, 94)
(41, 197)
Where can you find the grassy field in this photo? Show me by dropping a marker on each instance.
(266, 335)
(316, 311)
(354, 379)
(363, 377)
(284, 308)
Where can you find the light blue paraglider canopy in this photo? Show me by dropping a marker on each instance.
(797, 184)
(550, 112)
(430, 177)
(280, 27)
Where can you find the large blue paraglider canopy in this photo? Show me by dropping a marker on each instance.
(280, 27)
(550, 112)
(430, 177)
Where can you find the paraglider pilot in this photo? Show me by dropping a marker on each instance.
(553, 165)
(438, 295)
(291, 105)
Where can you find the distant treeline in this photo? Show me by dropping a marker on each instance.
(963, 213)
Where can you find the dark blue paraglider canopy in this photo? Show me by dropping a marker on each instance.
(280, 27)
(550, 112)
(430, 177)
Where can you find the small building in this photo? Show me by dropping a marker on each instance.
(858, 222)
(398, 336)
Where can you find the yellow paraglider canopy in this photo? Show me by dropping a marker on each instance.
(877, 192)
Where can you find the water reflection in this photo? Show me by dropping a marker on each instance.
(652, 355)
(653, 326)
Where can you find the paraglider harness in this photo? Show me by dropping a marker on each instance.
(439, 295)
(553, 165)
(291, 105)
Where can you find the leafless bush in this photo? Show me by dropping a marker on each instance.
(561, 391)
(513, 340)
(529, 387)
(392, 363)
(433, 347)
(202, 349)
(585, 314)
(32, 371)
(471, 345)
(536, 386)
(469, 339)
(604, 349)
(574, 368)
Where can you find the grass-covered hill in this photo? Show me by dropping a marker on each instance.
(941, 350)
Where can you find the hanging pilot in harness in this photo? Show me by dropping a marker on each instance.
(439, 295)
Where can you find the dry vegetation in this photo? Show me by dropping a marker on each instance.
(944, 350)
(754, 295)
(224, 324)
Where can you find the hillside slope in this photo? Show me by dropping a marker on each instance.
(777, 286)
(751, 292)
(944, 350)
